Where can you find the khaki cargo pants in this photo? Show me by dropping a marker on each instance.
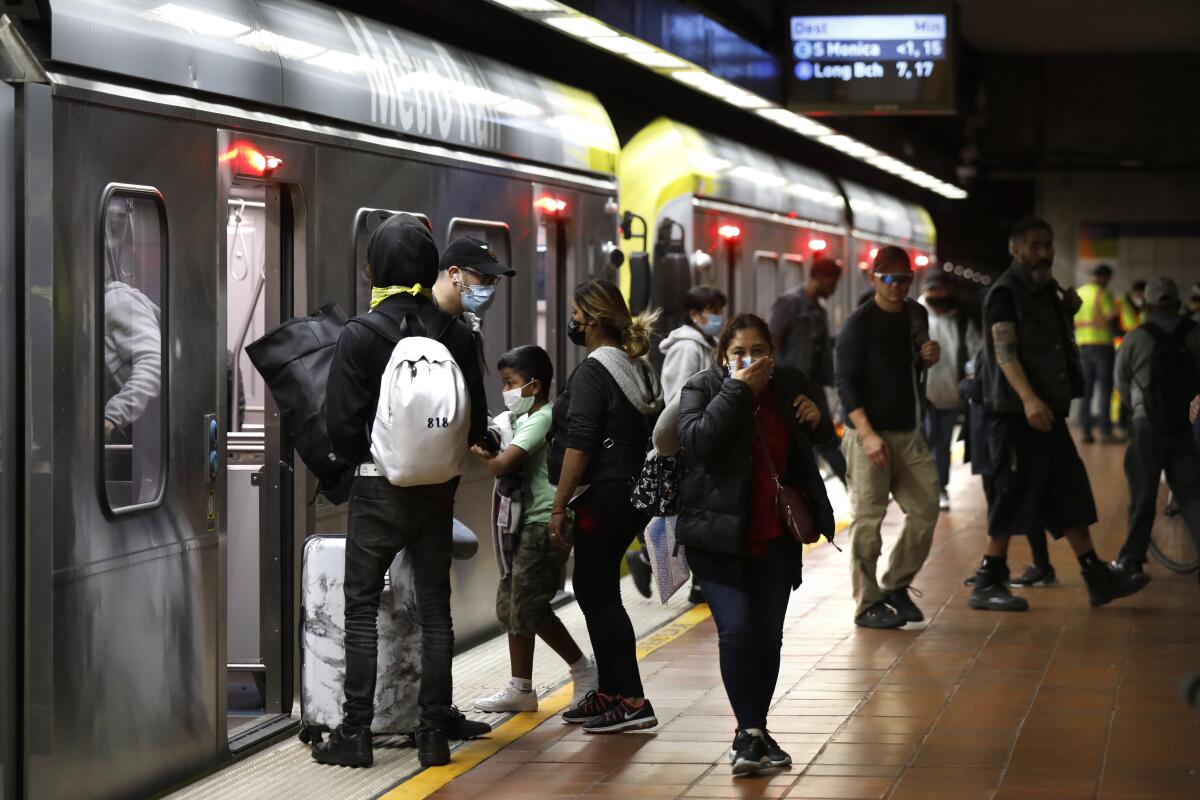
(911, 478)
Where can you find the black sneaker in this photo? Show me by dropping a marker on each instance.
(345, 748)
(749, 753)
(457, 726)
(1128, 566)
(881, 617)
(592, 705)
(639, 568)
(905, 607)
(991, 593)
(779, 757)
(1106, 584)
(969, 580)
(1035, 576)
(622, 716)
(695, 594)
(433, 747)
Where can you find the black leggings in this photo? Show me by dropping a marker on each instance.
(605, 525)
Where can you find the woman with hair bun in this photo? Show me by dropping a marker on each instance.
(598, 436)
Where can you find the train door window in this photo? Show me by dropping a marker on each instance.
(791, 272)
(497, 325)
(365, 223)
(542, 304)
(766, 269)
(131, 352)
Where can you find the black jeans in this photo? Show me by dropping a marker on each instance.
(748, 599)
(1150, 452)
(605, 525)
(939, 432)
(385, 519)
(1098, 364)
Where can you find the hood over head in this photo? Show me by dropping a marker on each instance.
(401, 252)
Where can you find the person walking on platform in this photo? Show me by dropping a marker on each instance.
(1031, 372)
(958, 337)
(1133, 314)
(384, 518)
(1158, 374)
(1095, 321)
(800, 326)
(530, 571)
(882, 352)
(598, 435)
(742, 423)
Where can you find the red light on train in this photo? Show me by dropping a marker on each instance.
(550, 205)
(729, 232)
(817, 244)
(249, 160)
(874, 252)
(921, 261)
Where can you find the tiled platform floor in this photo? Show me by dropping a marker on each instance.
(1061, 702)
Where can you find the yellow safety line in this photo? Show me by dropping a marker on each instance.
(471, 755)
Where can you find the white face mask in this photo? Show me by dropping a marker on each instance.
(515, 403)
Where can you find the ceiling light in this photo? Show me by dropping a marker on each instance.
(658, 60)
(709, 83)
(582, 27)
(530, 5)
(622, 45)
(748, 101)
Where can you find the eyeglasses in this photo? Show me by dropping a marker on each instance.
(484, 280)
(891, 279)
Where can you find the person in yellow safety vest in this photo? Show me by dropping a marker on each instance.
(1095, 323)
(1133, 314)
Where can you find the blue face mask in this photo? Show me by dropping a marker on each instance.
(476, 299)
(712, 325)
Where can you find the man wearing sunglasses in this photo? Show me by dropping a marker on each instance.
(883, 352)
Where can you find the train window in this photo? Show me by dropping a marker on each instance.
(791, 272)
(498, 325)
(766, 281)
(365, 223)
(131, 354)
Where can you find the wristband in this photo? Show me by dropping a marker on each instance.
(556, 512)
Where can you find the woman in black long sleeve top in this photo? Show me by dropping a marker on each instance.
(598, 441)
(734, 422)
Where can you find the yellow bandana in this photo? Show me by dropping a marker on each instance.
(381, 293)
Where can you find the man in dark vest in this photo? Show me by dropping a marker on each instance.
(1031, 372)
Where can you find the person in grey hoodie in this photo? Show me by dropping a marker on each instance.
(689, 348)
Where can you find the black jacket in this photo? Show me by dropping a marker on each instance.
(716, 427)
(362, 355)
(592, 414)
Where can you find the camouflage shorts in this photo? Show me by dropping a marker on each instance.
(523, 598)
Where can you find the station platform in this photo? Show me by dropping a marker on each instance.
(1063, 701)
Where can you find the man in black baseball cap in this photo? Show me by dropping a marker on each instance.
(467, 277)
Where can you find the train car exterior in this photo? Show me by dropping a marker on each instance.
(157, 510)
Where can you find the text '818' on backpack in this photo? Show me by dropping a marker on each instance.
(419, 436)
(1174, 379)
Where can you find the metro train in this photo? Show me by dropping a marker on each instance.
(188, 176)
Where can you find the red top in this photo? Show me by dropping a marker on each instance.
(764, 522)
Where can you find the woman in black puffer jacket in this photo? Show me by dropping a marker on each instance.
(743, 556)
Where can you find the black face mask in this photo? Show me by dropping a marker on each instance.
(941, 303)
(576, 332)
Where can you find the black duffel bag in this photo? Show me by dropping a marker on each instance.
(294, 362)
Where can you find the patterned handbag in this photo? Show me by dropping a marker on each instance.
(656, 490)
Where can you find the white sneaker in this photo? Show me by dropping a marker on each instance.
(944, 501)
(586, 680)
(510, 698)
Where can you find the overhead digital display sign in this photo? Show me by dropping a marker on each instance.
(849, 62)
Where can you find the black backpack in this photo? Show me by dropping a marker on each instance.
(1174, 379)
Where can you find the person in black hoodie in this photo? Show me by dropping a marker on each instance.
(738, 421)
(385, 519)
(598, 440)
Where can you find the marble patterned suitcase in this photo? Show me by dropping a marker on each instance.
(323, 656)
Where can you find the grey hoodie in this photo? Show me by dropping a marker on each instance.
(635, 376)
(685, 352)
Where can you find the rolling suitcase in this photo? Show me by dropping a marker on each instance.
(323, 656)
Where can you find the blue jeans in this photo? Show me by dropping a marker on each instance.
(748, 599)
(1098, 364)
(939, 432)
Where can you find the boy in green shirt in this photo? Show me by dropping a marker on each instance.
(524, 595)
